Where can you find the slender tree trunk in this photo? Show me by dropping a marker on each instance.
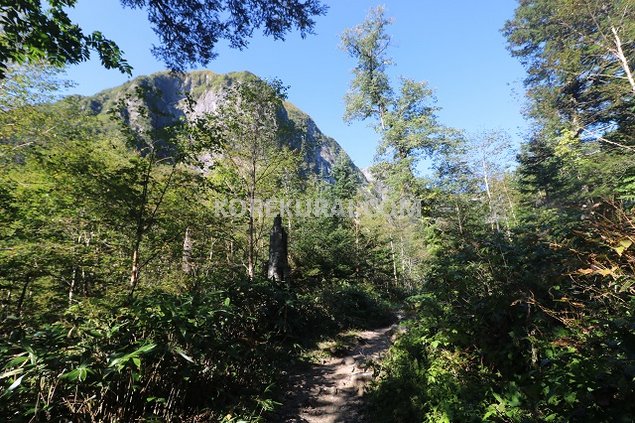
(83, 277)
(75, 276)
(512, 210)
(459, 218)
(186, 260)
(139, 230)
(210, 257)
(394, 262)
(381, 118)
(136, 259)
(230, 252)
(85, 285)
(403, 254)
(251, 259)
(493, 216)
(251, 240)
(25, 287)
(134, 271)
(71, 288)
(356, 223)
(619, 53)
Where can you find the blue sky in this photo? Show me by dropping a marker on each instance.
(454, 45)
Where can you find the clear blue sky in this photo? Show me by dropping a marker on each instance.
(454, 45)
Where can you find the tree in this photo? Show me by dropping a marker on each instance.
(370, 92)
(406, 121)
(579, 55)
(57, 226)
(31, 31)
(157, 164)
(491, 154)
(30, 84)
(249, 126)
(345, 181)
(188, 29)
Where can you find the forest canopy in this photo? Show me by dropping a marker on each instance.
(188, 30)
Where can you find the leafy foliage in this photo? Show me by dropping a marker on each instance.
(188, 30)
(95, 210)
(34, 32)
(173, 21)
(533, 322)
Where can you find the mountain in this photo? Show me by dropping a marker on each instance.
(205, 88)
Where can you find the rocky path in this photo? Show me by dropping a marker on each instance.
(331, 392)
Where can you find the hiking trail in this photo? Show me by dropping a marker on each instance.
(332, 391)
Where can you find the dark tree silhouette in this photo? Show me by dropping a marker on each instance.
(188, 29)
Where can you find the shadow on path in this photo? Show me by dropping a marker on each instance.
(331, 392)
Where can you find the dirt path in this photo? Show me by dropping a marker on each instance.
(331, 392)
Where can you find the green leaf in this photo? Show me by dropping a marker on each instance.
(78, 374)
(18, 360)
(489, 414)
(11, 373)
(626, 285)
(144, 349)
(623, 246)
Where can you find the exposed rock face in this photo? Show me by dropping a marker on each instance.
(206, 90)
(278, 269)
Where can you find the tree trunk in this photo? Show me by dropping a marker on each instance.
(27, 281)
(394, 262)
(251, 259)
(134, 271)
(357, 252)
(71, 288)
(459, 218)
(278, 269)
(136, 259)
(619, 53)
(186, 264)
(493, 216)
(140, 223)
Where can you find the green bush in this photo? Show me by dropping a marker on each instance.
(163, 356)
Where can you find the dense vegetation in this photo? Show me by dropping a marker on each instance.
(526, 309)
(126, 296)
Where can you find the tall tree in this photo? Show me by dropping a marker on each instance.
(406, 121)
(370, 93)
(580, 56)
(250, 128)
(491, 157)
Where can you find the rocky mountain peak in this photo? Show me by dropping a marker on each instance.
(205, 88)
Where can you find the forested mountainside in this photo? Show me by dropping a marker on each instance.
(133, 257)
(165, 97)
